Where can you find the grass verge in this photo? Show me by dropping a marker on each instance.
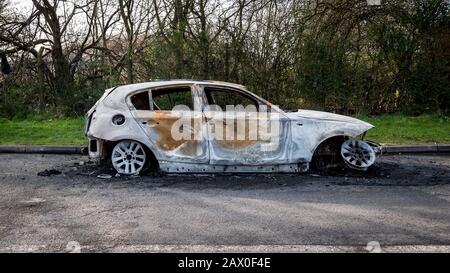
(399, 129)
(390, 129)
(41, 131)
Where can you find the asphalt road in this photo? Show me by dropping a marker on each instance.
(404, 205)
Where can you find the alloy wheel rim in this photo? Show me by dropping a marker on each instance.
(357, 154)
(128, 157)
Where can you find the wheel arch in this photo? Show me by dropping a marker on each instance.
(326, 153)
(329, 140)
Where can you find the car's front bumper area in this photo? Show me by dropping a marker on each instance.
(377, 148)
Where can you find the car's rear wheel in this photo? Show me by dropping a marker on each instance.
(129, 157)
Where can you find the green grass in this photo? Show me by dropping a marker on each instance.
(41, 131)
(390, 129)
(399, 129)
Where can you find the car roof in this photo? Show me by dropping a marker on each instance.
(119, 93)
(161, 83)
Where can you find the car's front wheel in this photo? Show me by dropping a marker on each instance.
(128, 157)
(358, 154)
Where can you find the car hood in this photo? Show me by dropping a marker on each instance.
(325, 116)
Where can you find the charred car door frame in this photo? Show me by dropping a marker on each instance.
(157, 125)
(246, 150)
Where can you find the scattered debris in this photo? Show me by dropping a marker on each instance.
(104, 176)
(33, 201)
(73, 247)
(389, 171)
(86, 173)
(49, 172)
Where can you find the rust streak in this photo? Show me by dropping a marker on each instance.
(238, 141)
(163, 123)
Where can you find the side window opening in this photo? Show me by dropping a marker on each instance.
(167, 98)
(141, 101)
(224, 97)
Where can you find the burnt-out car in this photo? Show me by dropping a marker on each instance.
(183, 126)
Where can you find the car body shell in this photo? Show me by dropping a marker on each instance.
(300, 133)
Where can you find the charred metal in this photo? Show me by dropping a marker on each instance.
(133, 126)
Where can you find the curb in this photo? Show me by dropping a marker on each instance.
(82, 150)
(413, 149)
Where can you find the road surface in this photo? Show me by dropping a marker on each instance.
(404, 205)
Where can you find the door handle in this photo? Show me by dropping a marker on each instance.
(150, 123)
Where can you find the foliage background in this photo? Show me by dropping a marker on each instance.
(337, 55)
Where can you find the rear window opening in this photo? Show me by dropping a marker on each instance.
(141, 101)
(166, 99)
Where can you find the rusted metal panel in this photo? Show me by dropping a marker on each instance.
(158, 125)
(244, 150)
(176, 167)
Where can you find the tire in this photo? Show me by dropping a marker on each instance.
(129, 157)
